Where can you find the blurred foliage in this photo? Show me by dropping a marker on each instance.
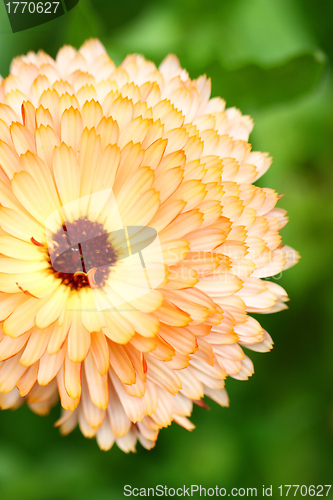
(273, 59)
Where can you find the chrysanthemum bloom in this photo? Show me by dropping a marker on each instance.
(88, 152)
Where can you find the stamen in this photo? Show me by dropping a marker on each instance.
(26, 292)
(144, 363)
(91, 277)
(35, 242)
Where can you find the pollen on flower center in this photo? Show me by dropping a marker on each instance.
(82, 254)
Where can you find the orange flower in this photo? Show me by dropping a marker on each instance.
(132, 243)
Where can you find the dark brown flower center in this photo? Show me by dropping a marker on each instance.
(82, 254)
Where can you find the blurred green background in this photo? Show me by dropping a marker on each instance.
(273, 59)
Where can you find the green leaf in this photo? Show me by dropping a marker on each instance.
(254, 86)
